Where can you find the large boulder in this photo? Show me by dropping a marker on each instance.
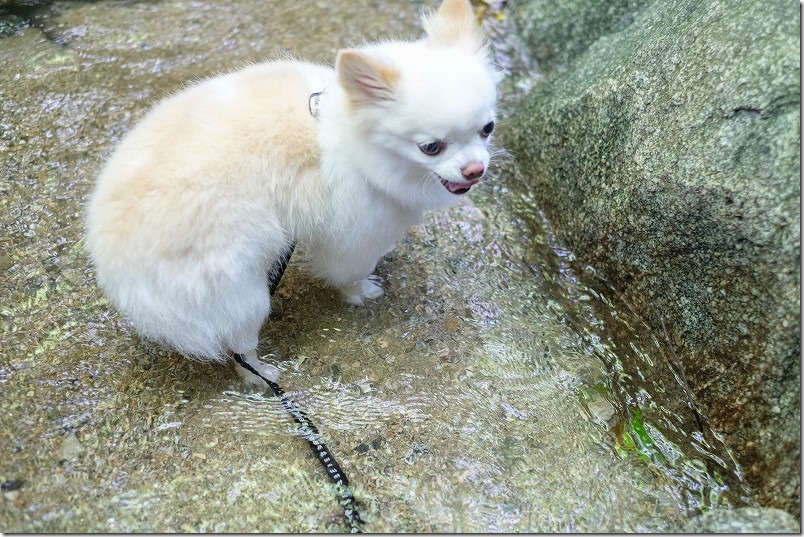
(663, 144)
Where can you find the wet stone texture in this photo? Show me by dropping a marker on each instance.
(664, 144)
(478, 395)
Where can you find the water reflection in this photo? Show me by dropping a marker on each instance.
(657, 418)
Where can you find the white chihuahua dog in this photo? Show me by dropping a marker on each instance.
(211, 188)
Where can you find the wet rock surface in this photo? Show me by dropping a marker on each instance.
(663, 142)
(477, 395)
(744, 520)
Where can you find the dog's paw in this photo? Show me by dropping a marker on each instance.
(263, 369)
(368, 288)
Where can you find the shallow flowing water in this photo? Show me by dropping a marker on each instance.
(499, 386)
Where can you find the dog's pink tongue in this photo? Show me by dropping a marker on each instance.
(459, 187)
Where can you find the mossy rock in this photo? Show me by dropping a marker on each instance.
(663, 144)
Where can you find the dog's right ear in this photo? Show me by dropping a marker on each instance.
(454, 24)
(366, 79)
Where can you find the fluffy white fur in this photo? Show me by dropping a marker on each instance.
(206, 192)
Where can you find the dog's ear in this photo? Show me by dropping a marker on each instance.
(366, 79)
(454, 24)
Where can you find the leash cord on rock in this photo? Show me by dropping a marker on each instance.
(310, 433)
(308, 430)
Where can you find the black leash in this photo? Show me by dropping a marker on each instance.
(279, 269)
(307, 429)
(310, 433)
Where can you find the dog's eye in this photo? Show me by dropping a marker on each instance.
(487, 128)
(432, 148)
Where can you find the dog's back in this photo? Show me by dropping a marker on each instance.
(187, 215)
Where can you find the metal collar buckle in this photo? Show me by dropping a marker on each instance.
(314, 103)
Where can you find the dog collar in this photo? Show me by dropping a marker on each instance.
(314, 103)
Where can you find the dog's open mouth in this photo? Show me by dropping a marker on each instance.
(458, 188)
